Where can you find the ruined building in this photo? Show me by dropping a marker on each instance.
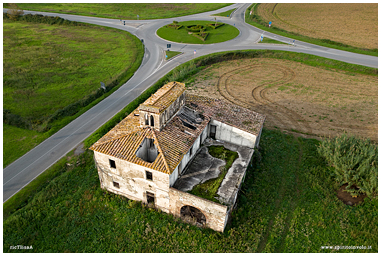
(158, 153)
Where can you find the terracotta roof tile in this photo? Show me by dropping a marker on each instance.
(180, 133)
(165, 96)
(226, 112)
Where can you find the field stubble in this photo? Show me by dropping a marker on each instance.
(296, 97)
(355, 24)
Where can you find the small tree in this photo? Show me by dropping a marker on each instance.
(14, 12)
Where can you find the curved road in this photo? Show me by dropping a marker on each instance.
(28, 167)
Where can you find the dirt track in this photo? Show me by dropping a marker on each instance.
(308, 101)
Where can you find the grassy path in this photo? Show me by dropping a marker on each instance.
(294, 203)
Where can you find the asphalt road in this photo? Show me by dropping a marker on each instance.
(28, 167)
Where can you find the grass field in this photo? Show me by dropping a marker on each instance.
(344, 26)
(296, 212)
(218, 35)
(48, 67)
(126, 11)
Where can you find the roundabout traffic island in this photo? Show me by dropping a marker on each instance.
(198, 32)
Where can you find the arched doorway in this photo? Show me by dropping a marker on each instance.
(192, 214)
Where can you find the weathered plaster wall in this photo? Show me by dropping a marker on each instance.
(216, 214)
(132, 180)
(171, 110)
(160, 119)
(188, 157)
(233, 135)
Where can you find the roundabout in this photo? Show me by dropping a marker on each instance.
(198, 32)
(153, 68)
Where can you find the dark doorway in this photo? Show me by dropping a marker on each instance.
(213, 130)
(192, 214)
(150, 198)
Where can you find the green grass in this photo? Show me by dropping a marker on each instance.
(221, 34)
(18, 141)
(225, 14)
(48, 67)
(127, 11)
(256, 21)
(287, 204)
(208, 189)
(267, 40)
(170, 54)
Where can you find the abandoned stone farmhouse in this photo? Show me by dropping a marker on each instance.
(158, 153)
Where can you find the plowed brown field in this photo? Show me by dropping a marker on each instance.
(351, 24)
(301, 99)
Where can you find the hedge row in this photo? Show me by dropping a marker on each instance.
(15, 120)
(214, 26)
(195, 28)
(177, 27)
(38, 18)
(199, 36)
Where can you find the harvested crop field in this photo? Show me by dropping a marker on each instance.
(347, 23)
(295, 97)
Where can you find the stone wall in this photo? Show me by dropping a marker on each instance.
(132, 180)
(216, 214)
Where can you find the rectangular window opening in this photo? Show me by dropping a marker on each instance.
(112, 164)
(149, 175)
(116, 184)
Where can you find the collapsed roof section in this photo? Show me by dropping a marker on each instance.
(175, 139)
(225, 112)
